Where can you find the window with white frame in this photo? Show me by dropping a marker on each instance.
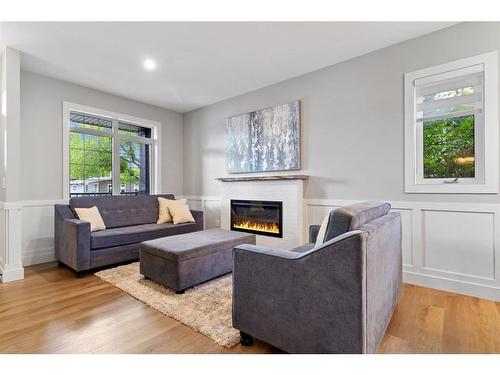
(108, 153)
(451, 127)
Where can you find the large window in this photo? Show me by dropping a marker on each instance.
(451, 131)
(109, 153)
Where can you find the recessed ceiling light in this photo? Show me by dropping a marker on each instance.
(149, 64)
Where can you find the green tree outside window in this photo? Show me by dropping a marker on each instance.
(448, 148)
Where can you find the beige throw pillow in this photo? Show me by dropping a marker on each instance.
(92, 215)
(163, 205)
(181, 214)
(322, 231)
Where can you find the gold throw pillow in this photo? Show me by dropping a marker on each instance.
(181, 214)
(322, 231)
(163, 205)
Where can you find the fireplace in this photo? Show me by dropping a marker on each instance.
(259, 217)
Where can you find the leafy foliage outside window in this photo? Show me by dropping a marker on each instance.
(134, 167)
(91, 165)
(448, 149)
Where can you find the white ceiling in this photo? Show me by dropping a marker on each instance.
(198, 63)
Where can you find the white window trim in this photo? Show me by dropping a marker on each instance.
(155, 141)
(489, 171)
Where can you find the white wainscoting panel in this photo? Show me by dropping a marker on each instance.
(212, 213)
(447, 246)
(195, 203)
(11, 267)
(210, 207)
(3, 235)
(38, 232)
(407, 242)
(460, 243)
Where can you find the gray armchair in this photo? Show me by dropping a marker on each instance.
(336, 298)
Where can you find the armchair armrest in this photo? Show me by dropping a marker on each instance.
(313, 233)
(284, 254)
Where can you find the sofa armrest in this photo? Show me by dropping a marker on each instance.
(77, 222)
(313, 233)
(198, 217)
(72, 239)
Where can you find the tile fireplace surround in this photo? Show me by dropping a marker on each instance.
(287, 189)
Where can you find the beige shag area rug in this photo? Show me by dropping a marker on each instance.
(205, 308)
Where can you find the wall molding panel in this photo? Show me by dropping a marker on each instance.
(11, 267)
(26, 236)
(210, 207)
(38, 231)
(448, 246)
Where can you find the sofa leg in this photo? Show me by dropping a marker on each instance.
(59, 264)
(179, 292)
(79, 274)
(245, 339)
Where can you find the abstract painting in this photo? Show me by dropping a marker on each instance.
(264, 140)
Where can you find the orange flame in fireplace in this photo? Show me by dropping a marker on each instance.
(261, 227)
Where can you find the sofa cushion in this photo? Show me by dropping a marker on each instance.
(123, 210)
(345, 219)
(136, 233)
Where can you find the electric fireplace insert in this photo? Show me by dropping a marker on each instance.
(259, 217)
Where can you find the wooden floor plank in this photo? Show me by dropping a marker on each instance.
(51, 311)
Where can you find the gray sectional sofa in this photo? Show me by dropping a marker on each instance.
(129, 220)
(335, 298)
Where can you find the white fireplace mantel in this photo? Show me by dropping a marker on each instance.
(285, 189)
(264, 178)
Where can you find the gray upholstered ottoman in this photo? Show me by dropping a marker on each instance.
(185, 260)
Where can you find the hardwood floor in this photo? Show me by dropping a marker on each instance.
(51, 311)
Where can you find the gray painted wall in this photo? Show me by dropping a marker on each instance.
(41, 133)
(352, 120)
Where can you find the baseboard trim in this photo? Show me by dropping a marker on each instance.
(39, 256)
(13, 274)
(452, 285)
